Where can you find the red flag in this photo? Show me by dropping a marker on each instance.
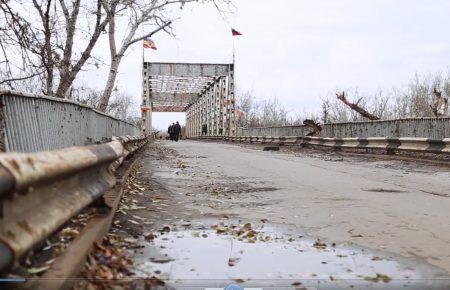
(234, 32)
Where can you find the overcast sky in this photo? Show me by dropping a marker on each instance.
(302, 50)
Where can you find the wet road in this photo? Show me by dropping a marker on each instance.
(221, 211)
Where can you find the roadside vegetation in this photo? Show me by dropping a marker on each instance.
(423, 96)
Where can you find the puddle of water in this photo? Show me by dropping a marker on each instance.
(207, 255)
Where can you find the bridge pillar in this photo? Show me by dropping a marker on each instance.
(187, 123)
(146, 109)
(209, 110)
(202, 112)
(216, 92)
(197, 118)
(231, 103)
(223, 107)
(147, 121)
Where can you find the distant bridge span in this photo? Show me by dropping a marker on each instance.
(204, 91)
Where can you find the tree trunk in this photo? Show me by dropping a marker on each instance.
(440, 104)
(316, 128)
(104, 100)
(49, 82)
(356, 108)
(64, 85)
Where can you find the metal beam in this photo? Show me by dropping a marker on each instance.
(186, 69)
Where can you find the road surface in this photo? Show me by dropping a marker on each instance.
(224, 211)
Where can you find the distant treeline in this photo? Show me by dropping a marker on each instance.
(423, 96)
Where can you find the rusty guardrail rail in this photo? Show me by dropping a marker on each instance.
(400, 144)
(40, 191)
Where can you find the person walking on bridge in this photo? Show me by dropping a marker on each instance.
(176, 131)
(170, 132)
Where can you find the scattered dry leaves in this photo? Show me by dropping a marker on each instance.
(319, 244)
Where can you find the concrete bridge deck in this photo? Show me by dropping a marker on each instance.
(393, 211)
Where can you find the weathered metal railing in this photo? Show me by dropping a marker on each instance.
(432, 128)
(31, 123)
(401, 144)
(40, 191)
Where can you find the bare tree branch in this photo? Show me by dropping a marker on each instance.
(150, 34)
(20, 78)
(356, 107)
(315, 126)
(440, 104)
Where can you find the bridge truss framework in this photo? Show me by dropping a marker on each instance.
(204, 91)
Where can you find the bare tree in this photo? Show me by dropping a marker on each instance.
(420, 99)
(139, 12)
(121, 104)
(245, 104)
(356, 107)
(16, 36)
(267, 112)
(68, 66)
(47, 42)
(272, 113)
(325, 110)
(419, 96)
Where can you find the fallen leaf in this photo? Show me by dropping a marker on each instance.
(232, 261)
(221, 229)
(319, 244)
(150, 237)
(247, 226)
(378, 277)
(165, 229)
(356, 236)
(251, 234)
(70, 232)
(38, 270)
(130, 240)
(49, 262)
(161, 260)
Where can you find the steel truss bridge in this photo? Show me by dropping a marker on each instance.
(204, 91)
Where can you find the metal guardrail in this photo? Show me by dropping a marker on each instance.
(432, 128)
(32, 123)
(401, 144)
(40, 191)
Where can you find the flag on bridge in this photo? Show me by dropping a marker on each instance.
(234, 32)
(148, 43)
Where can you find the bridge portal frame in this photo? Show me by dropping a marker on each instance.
(205, 92)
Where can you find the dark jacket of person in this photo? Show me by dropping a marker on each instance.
(170, 129)
(176, 129)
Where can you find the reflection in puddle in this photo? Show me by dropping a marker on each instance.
(206, 254)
